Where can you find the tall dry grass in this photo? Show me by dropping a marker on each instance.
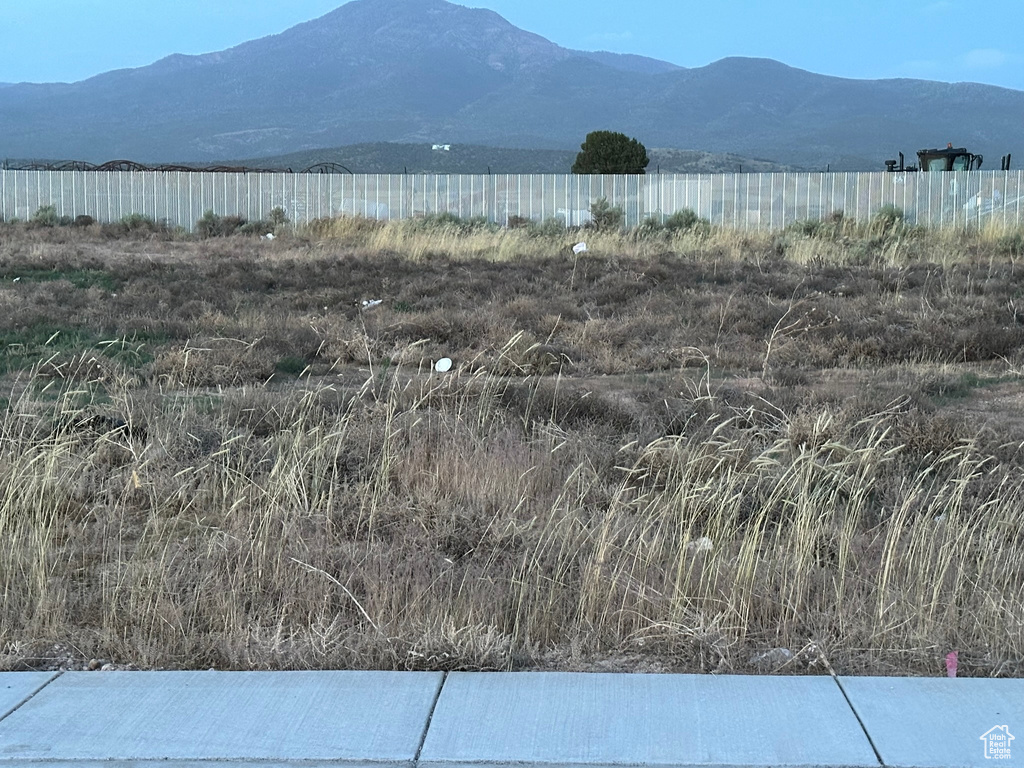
(671, 452)
(882, 242)
(451, 522)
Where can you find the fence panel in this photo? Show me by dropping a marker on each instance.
(751, 201)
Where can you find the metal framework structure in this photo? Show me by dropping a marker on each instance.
(132, 166)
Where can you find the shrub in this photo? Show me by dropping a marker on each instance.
(83, 220)
(1012, 244)
(687, 220)
(231, 224)
(208, 224)
(47, 216)
(550, 227)
(680, 222)
(133, 224)
(140, 223)
(648, 228)
(836, 225)
(887, 219)
(807, 227)
(450, 222)
(258, 228)
(518, 222)
(278, 217)
(212, 225)
(606, 217)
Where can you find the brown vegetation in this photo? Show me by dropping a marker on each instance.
(673, 452)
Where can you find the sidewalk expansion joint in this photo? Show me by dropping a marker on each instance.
(25, 701)
(856, 714)
(430, 716)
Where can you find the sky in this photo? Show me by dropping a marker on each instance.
(948, 40)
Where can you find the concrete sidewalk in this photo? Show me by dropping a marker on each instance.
(470, 720)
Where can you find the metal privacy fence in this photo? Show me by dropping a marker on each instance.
(746, 201)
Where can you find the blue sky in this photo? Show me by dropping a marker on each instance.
(950, 40)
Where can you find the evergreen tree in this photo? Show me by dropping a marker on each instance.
(610, 152)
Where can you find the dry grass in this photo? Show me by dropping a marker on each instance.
(671, 453)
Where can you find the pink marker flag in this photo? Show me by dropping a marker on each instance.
(951, 664)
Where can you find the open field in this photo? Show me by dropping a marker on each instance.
(677, 451)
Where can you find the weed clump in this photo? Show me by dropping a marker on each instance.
(136, 225)
(214, 225)
(683, 222)
(1011, 244)
(450, 223)
(605, 217)
(46, 217)
(548, 228)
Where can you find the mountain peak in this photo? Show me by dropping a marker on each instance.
(373, 30)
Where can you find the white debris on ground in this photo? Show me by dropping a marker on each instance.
(772, 660)
(703, 544)
(443, 365)
(268, 236)
(371, 303)
(579, 248)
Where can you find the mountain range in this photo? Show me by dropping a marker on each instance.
(430, 71)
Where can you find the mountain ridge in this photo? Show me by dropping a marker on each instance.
(429, 71)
